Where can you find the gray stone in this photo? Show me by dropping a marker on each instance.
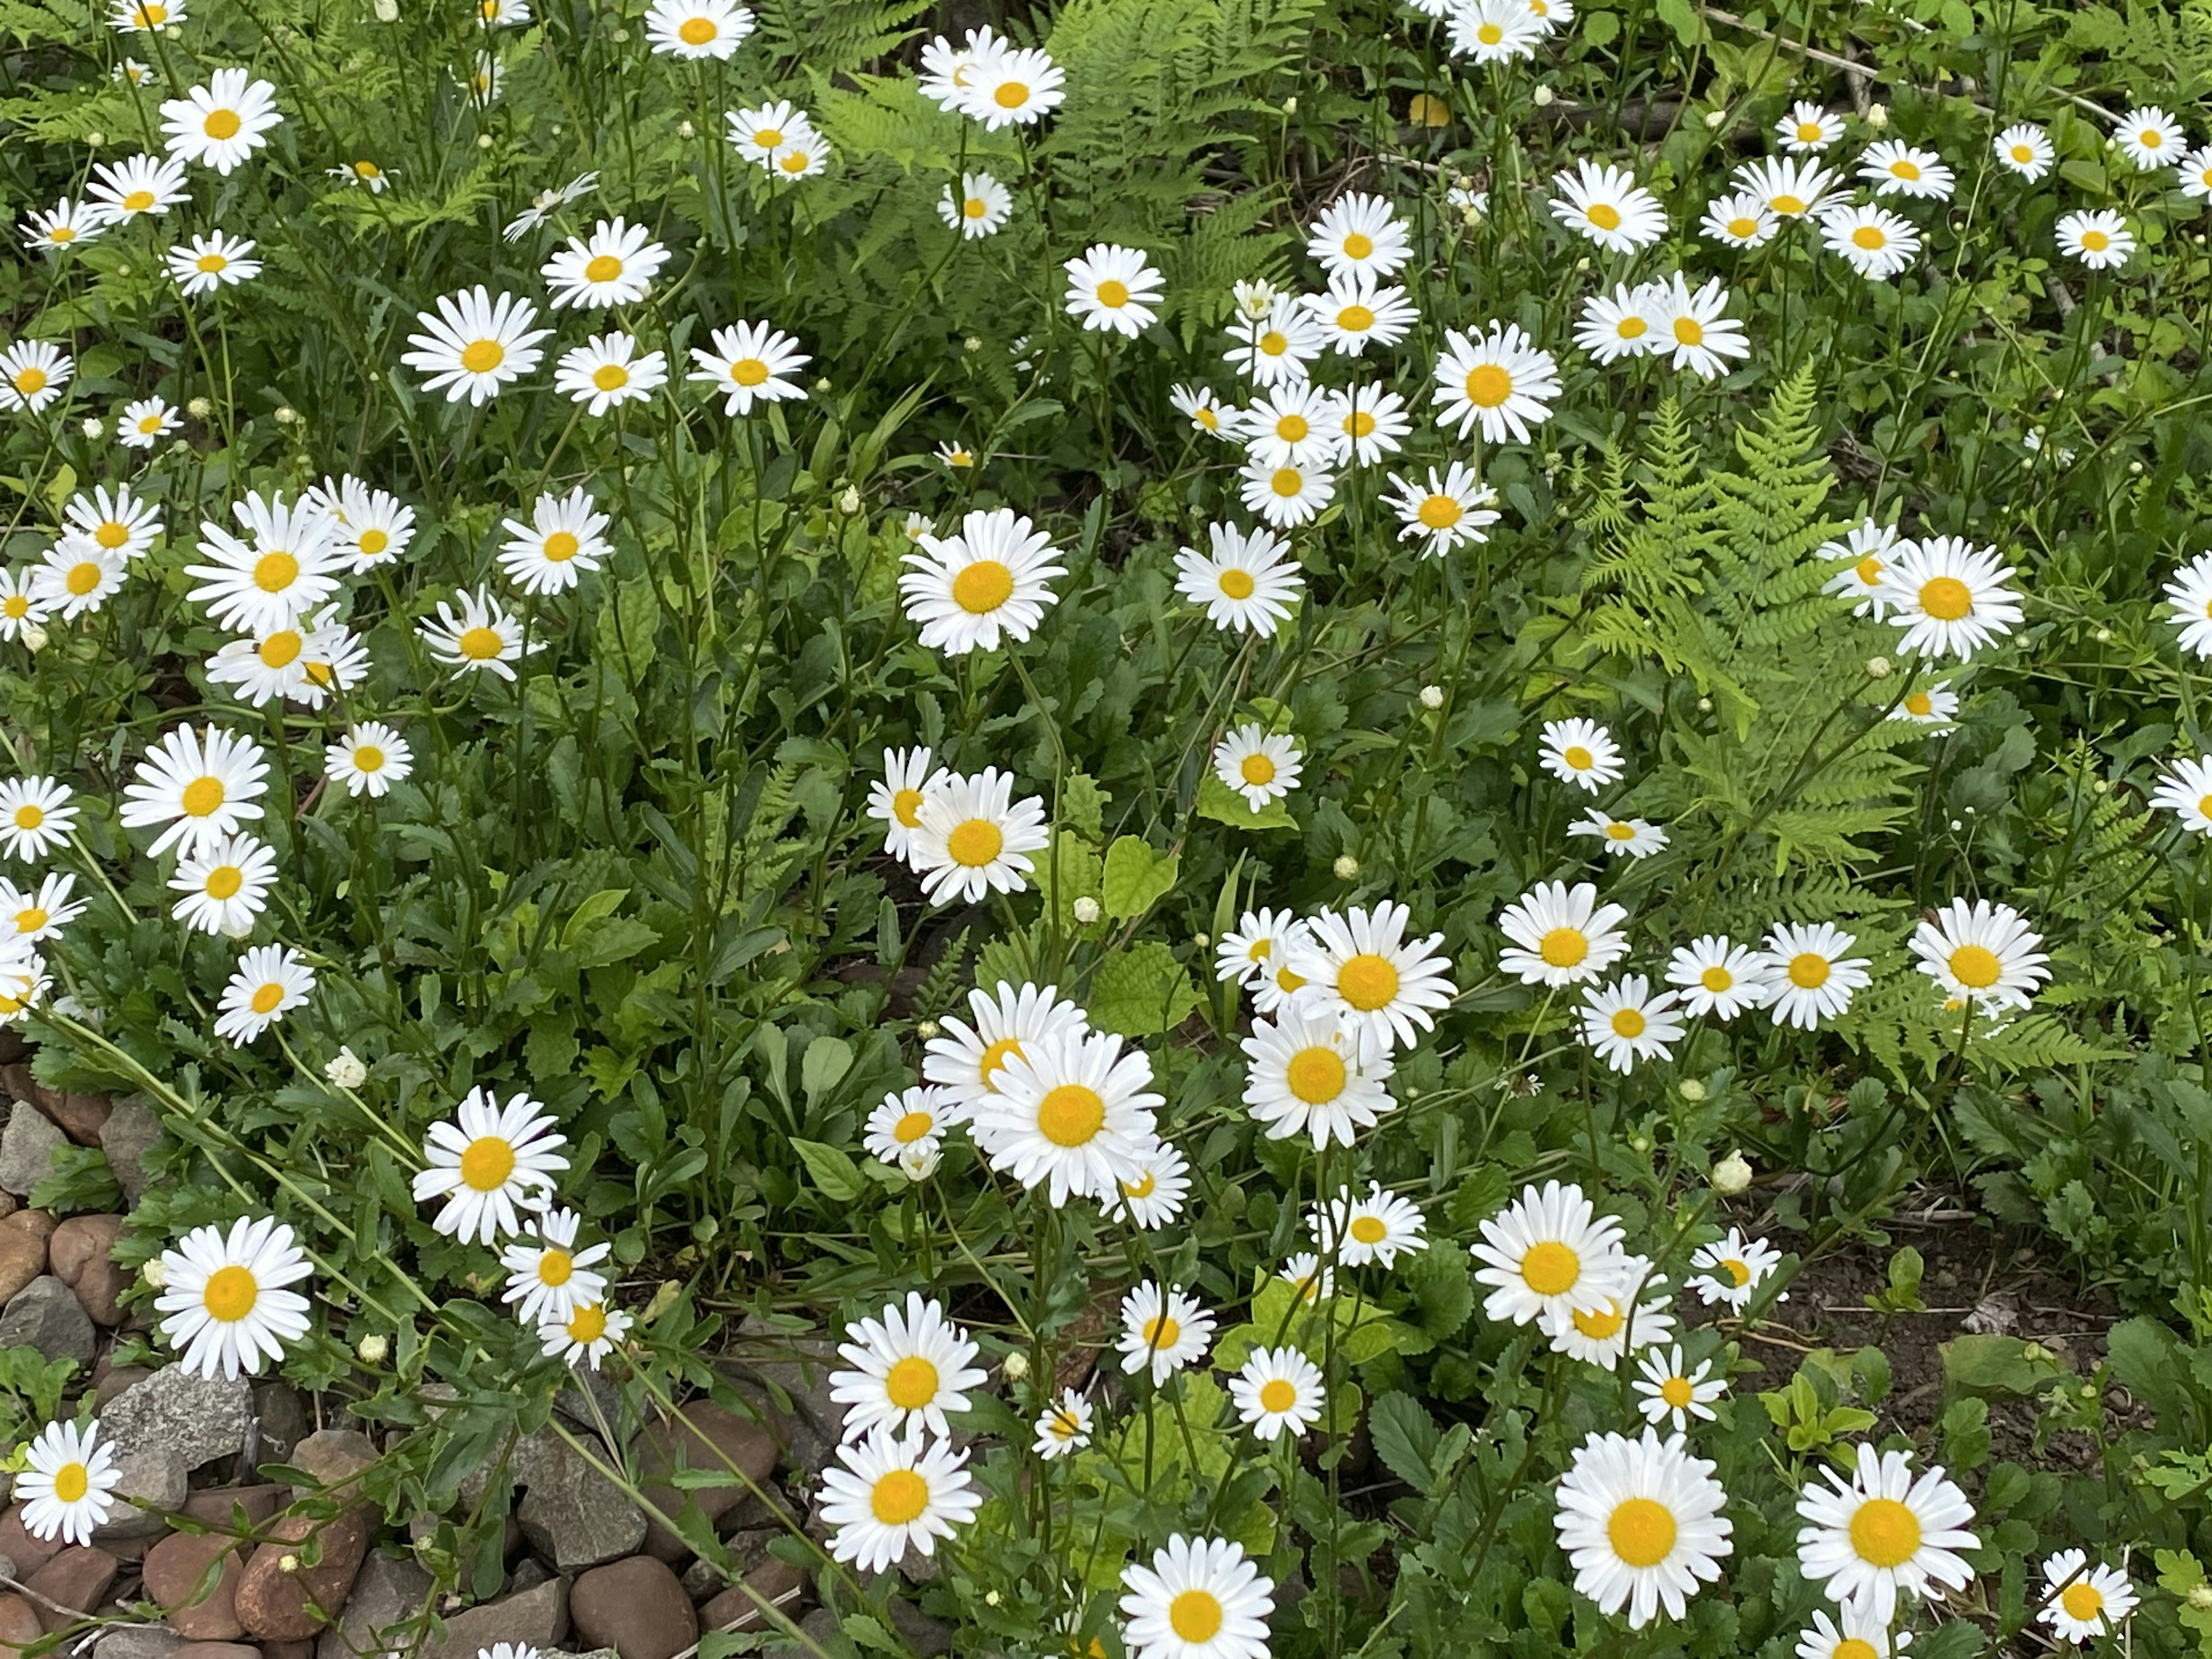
(27, 1148)
(153, 1476)
(198, 1418)
(538, 1618)
(574, 1515)
(127, 1136)
(45, 1315)
(138, 1642)
(766, 1362)
(334, 1457)
(565, 1653)
(391, 1591)
(927, 1637)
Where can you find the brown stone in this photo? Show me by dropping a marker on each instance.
(80, 1577)
(288, 1650)
(29, 1553)
(635, 1606)
(217, 1650)
(79, 1252)
(19, 1623)
(22, 1248)
(775, 1582)
(277, 1606)
(212, 1506)
(333, 1456)
(174, 1570)
(537, 1618)
(80, 1117)
(119, 1380)
(702, 1437)
(15, 1080)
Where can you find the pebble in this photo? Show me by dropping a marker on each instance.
(636, 1607)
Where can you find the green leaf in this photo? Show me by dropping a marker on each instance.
(1682, 17)
(1141, 991)
(605, 902)
(1082, 806)
(615, 938)
(825, 1063)
(835, 1173)
(1999, 1365)
(1600, 28)
(1136, 878)
(1405, 1437)
(1218, 801)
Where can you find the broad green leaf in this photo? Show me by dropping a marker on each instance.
(1141, 991)
(1136, 876)
(835, 1173)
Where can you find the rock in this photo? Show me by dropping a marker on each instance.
(19, 1623)
(572, 1516)
(391, 1591)
(153, 1481)
(799, 1366)
(174, 1570)
(277, 1606)
(635, 1607)
(45, 1315)
(701, 1437)
(199, 1418)
(22, 1250)
(80, 1254)
(213, 1505)
(29, 1553)
(700, 1580)
(279, 1421)
(217, 1650)
(80, 1117)
(927, 1637)
(288, 1650)
(128, 1135)
(539, 1618)
(138, 1642)
(777, 1582)
(529, 1573)
(334, 1457)
(79, 1576)
(27, 1148)
(109, 1381)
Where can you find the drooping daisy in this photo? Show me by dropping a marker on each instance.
(1788, 189)
(1881, 1534)
(1202, 409)
(1641, 1521)
(226, 884)
(363, 174)
(1359, 235)
(978, 208)
(1865, 555)
(613, 266)
(1548, 1252)
(1717, 978)
(271, 979)
(369, 759)
(1362, 969)
(1308, 1076)
(1013, 86)
(1623, 323)
(563, 538)
(910, 1368)
(896, 801)
(144, 422)
(1357, 312)
(1983, 952)
(1668, 1388)
(1371, 420)
(1692, 326)
(1279, 1391)
(956, 456)
(1073, 1114)
(1199, 1599)
(31, 375)
(604, 373)
(67, 1486)
(1808, 128)
(1378, 1228)
(697, 29)
(968, 591)
(27, 916)
(138, 185)
(1274, 348)
(2082, 1602)
(1310, 1280)
(223, 1303)
(547, 202)
(2026, 150)
(1063, 1428)
(1896, 168)
(1934, 705)
(591, 1333)
(203, 264)
(751, 362)
(1561, 936)
(473, 345)
(2099, 238)
(1604, 205)
(1155, 1196)
(488, 1163)
(1633, 838)
(1259, 937)
(1495, 31)
(1286, 494)
(1581, 752)
(1638, 1315)
(1249, 582)
(75, 579)
(1501, 381)
(966, 1061)
(759, 133)
(1261, 765)
(63, 225)
(36, 814)
(1162, 1332)
(1739, 220)
(1455, 509)
(1733, 1268)
(2151, 138)
(203, 786)
(1814, 976)
(1624, 1023)
(1877, 242)
(547, 1275)
(1949, 598)
(222, 124)
(2186, 789)
(481, 637)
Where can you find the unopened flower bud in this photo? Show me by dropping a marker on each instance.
(2200, 1598)
(286, 415)
(483, 141)
(685, 130)
(95, 140)
(373, 1350)
(1432, 697)
(1878, 668)
(918, 1161)
(1017, 1366)
(388, 11)
(1290, 105)
(2104, 636)
(288, 1564)
(1088, 910)
(34, 637)
(346, 1070)
(1877, 116)
(850, 502)
(926, 1030)
(199, 409)
(94, 429)
(1346, 867)
(1690, 1089)
(155, 1275)
(1731, 1174)
(1713, 119)
(1543, 97)
(973, 342)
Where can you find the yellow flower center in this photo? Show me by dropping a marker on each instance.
(1920, 704)
(1488, 386)
(769, 138)
(1551, 1268)
(1195, 1616)
(2081, 1601)
(1631, 328)
(1870, 237)
(1642, 1532)
(2095, 240)
(480, 644)
(1716, 978)
(1367, 982)
(975, 208)
(71, 1482)
(1274, 342)
(1113, 293)
(1256, 769)
(1142, 1188)
(1490, 34)
(1619, 831)
(1809, 970)
(279, 648)
(912, 1126)
(367, 757)
(367, 170)
(556, 1267)
(222, 124)
(749, 371)
(139, 201)
(1355, 320)
(482, 356)
(1357, 246)
(1368, 1229)
(796, 162)
(1358, 423)
(275, 572)
(1287, 482)
(995, 1056)
(561, 547)
(2150, 138)
(223, 882)
(603, 269)
(1161, 1332)
(1884, 1533)
(1739, 1270)
(62, 233)
(17, 606)
(1292, 428)
(911, 1384)
(1856, 1647)
(1578, 758)
(1277, 1395)
(981, 587)
(1808, 132)
(611, 377)
(2022, 154)
(1237, 584)
(974, 842)
(1316, 1076)
(1908, 171)
(111, 534)
(30, 921)
(203, 797)
(1288, 982)
(230, 1294)
(1946, 598)
(1787, 204)
(1070, 1114)
(29, 816)
(213, 263)
(372, 542)
(589, 1324)
(905, 807)
(1689, 331)
(695, 31)
(1628, 1022)
(1440, 511)
(1011, 95)
(487, 1162)
(1742, 228)
(1605, 215)
(1677, 1392)
(1563, 947)
(1976, 967)
(84, 578)
(1599, 1324)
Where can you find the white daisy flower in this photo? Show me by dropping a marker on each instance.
(64, 225)
(1634, 838)
(2099, 238)
(1203, 409)
(1154, 1197)
(144, 422)
(1259, 937)
(2026, 150)
(1691, 327)
(606, 372)
(2082, 1603)
(1813, 975)
(1383, 987)
(68, 1485)
(1501, 381)
(1639, 1315)
(271, 980)
(202, 786)
(1288, 494)
(758, 133)
(564, 538)
(1808, 128)
(358, 175)
(1881, 1534)
(751, 362)
(1073, 1114)
(489, 1163)
(1719, 978)
(614, 265)
(1306, 1075)
(1279, 1391)
(1289, 427)
(29, 915)
(802, 158)
(2188, 596)
(1788, 189)
(369, 759)
(1895, 168)
(481, 637)
(1982, 952)
(1877, 242)
(1312, 1282)
(2151, 138)
(1371, 421)
(1378, 1228)
(974, 838)
(1733, 1268)
(967, 591)
(1274, 347)
(1667, 1387)
(120, 522)
(590, 1333)
(894, 802)
(372, 525)
(31, 375)
(965, 1060)
(946, 69)
(473, 345)
(1456, 509)
(2195, 173)
(1360, 236)
(1495, 31)
(75, 579)
(1949, 598)
(1162, 1332)
(907, 1119)
(1063, 1428)
(1581, 752)
(226, 885)
(292, 566)
(1624, 1023)
(1249, 582)
(2186, 789)
(895, 1493)
(1358, 312)
(1012, 87)
(36, 814)
(222, 124)
(1199, 1599)
(697, 29)
(1641, 1523)
(1604, 205)
(1262, 766)
(1866, 554)
(1739, 220)
(223, 1303)
(136, 185)
(547, 1275)
(1934, 705)
(1548, 1253)
(910, 1368)
(206, 265)
(1623, 323)
(1561, 935)
(980, 207)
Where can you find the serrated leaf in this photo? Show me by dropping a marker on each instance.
(1136, 876)
(1141, 991)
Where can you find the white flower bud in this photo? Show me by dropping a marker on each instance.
(388, 11)
(685, 130)
(1877, 668)
(1690, 1089)
(2104, 636)
(286, 415)
(926, 1029)
(94, 429)
(1713, 119)
(1346, 867)
(155, 1275)
(1016, 1366)
(199, 409)
(919, 1161)
(483, 141)
(1088, 910)
(1731, 1174)
(95, 140)
(34, 637)
(973, 342)
(850, 502)
(373, 1350)
(288, 1564)
(1432, 697)
(1877, 116)
(1543, 97)
(346, 1070)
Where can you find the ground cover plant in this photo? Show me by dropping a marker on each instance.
(1196, 783)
